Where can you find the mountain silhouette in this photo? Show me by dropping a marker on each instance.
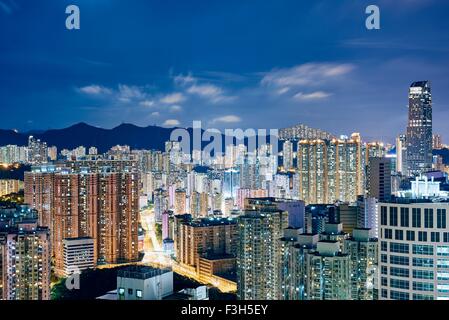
(83, 134)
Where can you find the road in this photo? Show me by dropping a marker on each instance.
(156, 257)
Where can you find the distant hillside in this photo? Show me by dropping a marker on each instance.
(82, 134)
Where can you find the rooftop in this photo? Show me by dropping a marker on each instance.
(141, 272)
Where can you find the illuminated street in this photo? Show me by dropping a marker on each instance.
(156, 257)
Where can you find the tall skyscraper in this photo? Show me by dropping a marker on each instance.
(419, 129)
(259, 254)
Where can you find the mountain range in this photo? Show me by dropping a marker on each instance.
(82, 134)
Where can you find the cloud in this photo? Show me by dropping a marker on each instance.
(171, 123)
(124, 93)
(283, 90)
(224, 76)
(227, 119)
(127, 93)
(175, 108)
(317, 95)
(183, 80)
(305, 74)
(173, 98)
(206, 90)
(95, 90)
(147, 103)
(211, 92)
(191, 85)
(155, 114)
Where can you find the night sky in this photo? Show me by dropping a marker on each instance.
(233, 63)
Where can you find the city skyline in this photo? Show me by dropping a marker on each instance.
(154, 71)
(208, 150)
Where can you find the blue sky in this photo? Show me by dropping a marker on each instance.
(258, 64)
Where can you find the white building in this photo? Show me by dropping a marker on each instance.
(414, 249)
(78, 255)
(144, 283)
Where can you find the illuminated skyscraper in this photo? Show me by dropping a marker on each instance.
(328, 273)
(287, 155)
(259, 254)
(38, 191)
(419, 129)
(25, 257)
(103, 206)
(37, 151)
(293, 269)
(330, 170)
(401, 154)
(362, 249)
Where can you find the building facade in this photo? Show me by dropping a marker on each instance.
(258, 254)
(414, 250)
(330, 170)
(419, 129)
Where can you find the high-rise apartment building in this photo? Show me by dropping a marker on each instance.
(180, 201)
(419, 129)
(302, 131)
(373, 150)
(330, 170)
(214, 237)
(259, 254)
(8, 186)
(287, 155)
(37, 151)
(362, 249)
(25, 257)
(38, 192)
(293, 269)
(337, 267)
(328, 272)
(101, 205)
(294, 208)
